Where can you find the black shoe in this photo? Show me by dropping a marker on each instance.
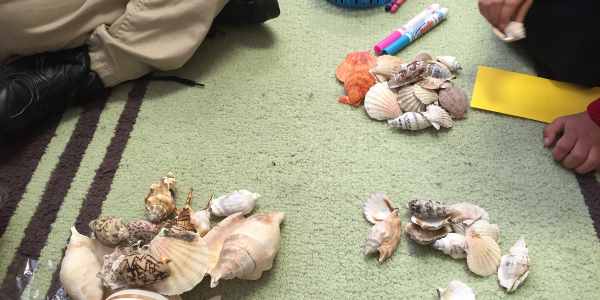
(37, 85)
(239, 12)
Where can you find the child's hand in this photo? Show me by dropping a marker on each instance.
(499, 12)
(579, 147)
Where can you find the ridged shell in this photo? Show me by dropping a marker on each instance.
(144, 269)
(453, 244)
(459, 228)
(242, 201)
(410, 121)
(408, 100)
(454, 100)
(384, 236)
(484, 228)
(141, 230)
(428, 209)
(430, 223)
(377, 207)
(514, 31)
(425, 95)
(79, 268)
(381, 103)
(137, 293)
(450, 62)
(514, 267)
(467, 213)
(110, 231)
(438, 116)
(456, 290)
(189, 260)
(384, 65)
(216, 237)
(439, 71)
(483, 254)
(355, 62)
(422, 56)
(408, 74)
(159, 201)
(357, 85)
(426, 237)
(431, 83)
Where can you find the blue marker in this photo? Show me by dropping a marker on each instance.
(416, 32)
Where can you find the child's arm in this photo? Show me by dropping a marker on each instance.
(579, 147)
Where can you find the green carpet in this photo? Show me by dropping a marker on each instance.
(268, 120)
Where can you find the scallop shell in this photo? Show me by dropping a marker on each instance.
(467, 213)
(483, 254)
(453, 244)
(514, 267)
(377, 207)
(159, 201)
(484, 228)
(430, 223)
(454, 100)
(425, 237)
(450, 62)
(456, 290)
(439, 71)
(428, 209)
(182, 221)
(459, 228)
(426, 96)
(381, 103)
(141, 230)
(408, 100)
(112, 277)
(384, 65)
(422, 56)
(410, 121)
(189, 259)
(216, 237)
(384, 236)
(144, 269)
(357, 85)
(513, 32)
(110, 231)
(242, 201)
(249, 249)
(201, 220)
(136, 294)
(408, 74)
(438, 117)
(355, 62)
(79, 268)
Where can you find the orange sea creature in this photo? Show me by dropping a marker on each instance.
(354, 73)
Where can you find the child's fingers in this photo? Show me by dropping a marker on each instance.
(592, 162)
(552, 129)
(563, 149)
(522, 11)
(508, 10)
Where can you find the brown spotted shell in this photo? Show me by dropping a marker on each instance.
(408, 74)
(428, 209)
(357, 85)
(358, 61)
(144, 268)
(143, 231)
(454, 100)
(110, 231)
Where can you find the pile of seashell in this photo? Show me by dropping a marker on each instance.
(461, 230)
(164, 258)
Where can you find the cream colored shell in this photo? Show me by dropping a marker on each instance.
(483, 254)
(467, 213)
(513, 32)
(484, 228)
(216, 237)
(377, 207)
(453, 244)
(438, 117)
(427, 96)
(384, 236)
(514, 267)
(383, 67)
(110, 231)
(410, 121)
(456, 290)
(450, 62)
(423, 56)
(242, 201)
(381, 103)
(408, 100)
(79, 268)
(431, 223)
(159, 201)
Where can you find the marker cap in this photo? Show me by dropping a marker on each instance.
(388, 40)
(396, 46)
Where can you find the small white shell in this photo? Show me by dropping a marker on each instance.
(438, 117)
(430, 223)
(408, 100)
(483, 254)
(424, 56)
(410, 121)
(513, 32)
(453, 244)
(381, 103)
(467, 213)
(514, 267)
(377, 207)
(484, 228)
(201, 222)
(456, 290)
(426, 96)
(242, 201)
(450, 62)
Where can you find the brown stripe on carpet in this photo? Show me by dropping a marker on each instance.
(39, 227)
(590, 189)
(19, 158)
(92, 203)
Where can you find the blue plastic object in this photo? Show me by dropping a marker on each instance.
(359, 3)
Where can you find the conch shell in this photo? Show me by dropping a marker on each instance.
(428, 209)
(513, 32)
(410, 121)
(467, 213)
(249, 249)
(381, 103)
(159, 202)
(408, 74)
(408, 100)
(438, 117)
(141, 230)
(423, 236)
(450, 62)
(110, 231)
(514, 267)
(383, 67)
(483, 254)
(144, 269)
(201, 220)
(182, 221)
(453, 244)
(79, 268)
(439, 71)
(242, 201)
(454, 100)
(384, 236)
(456, 290)
(216, 237)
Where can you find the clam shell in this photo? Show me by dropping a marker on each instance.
(450, 62)
(110, 231)
(431, 83)
(422, 56)
(357, 85)
(141, 230)
(483, 254)
(456, 290)
(467, 213)
(384, 236)
(144, 268)
(408, 100)
(430, 223)
(454, 100)
(408, 74)
(428, 209)
(216, 237)
(79, 268)
(453, 244)
(438, 116)
(514, 267)
(384, 65)
(514, 31)
(136, 294)
(159, 201)
(381, 103)
(425, 95)
(484, 228)
(355, 62)
(425, 237)
(439, 71)
(189, 260)
(242, 201)
(377, 207)
(410, 121)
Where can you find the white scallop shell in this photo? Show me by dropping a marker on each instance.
(484, 228)
(430, 223)
(467, 213)
(377, 207)
(450, 62)
(410, 121)
(426, 96)
(438, 116)
(456, 290)
(514, 267)
(513, 32)
(381, 103)
(483, 254)
(408, 100)
(242, 201)
(453, 244)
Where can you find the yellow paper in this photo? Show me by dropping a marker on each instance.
(529, 96)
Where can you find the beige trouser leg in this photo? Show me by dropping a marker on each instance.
(127, 39)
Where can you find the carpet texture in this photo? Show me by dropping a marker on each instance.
(268, 120)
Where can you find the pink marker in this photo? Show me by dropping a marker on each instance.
(396, 5)
(407, 27)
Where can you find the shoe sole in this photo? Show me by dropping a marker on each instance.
(267, 10)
